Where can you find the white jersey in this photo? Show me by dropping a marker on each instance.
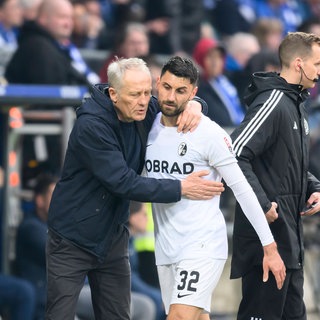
(190, 229)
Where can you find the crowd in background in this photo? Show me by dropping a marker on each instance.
(43, 41)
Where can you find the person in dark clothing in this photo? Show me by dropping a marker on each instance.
(272, 147)
(90, 204)
(45, 54)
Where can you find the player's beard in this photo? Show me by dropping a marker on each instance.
(174, 111)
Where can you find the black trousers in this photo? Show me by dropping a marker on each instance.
(67, 268)
(263, 301)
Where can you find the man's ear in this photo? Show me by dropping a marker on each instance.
(113, 94)
(298, 64)
(194, 92)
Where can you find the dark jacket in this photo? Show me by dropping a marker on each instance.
(91, 199)
(40, 60)
(272, 147)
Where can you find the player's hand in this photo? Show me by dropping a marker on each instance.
(272, 214)
(189, 119)
(195, 187)
(273, 262)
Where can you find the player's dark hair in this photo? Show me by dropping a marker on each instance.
(183, 68)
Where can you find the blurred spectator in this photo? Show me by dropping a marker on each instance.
(17, 298)
(155, 67)
(240, 48)
(11, 17)
(116, 13)
(311, 25)
(264, 60)
(269, 32)
(184, 25)
(132, 41)
(30, 9)
(89, 29)
(231, 16)
(311, 8)
(31, 242)
(138, 220)
(155, 15)
(144, 243)
(214, 87)
(45, 54)
(286, 11)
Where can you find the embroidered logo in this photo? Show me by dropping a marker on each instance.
(295, 126)
(182, 150)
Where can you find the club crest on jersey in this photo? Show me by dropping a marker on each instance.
(306, 126)
(182, 150)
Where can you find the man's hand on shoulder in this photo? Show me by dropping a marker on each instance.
(190, 118)
(273, 262)
(195, 187)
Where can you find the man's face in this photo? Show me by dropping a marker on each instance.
(11, 14)
(174, 93)
(59, 21)
(311, 67)
(131, 101)
(135, 45)
(214, 63)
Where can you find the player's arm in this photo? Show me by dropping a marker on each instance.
(249, 203)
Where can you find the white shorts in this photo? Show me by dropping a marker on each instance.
(190, 282)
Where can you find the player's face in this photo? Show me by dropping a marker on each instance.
(174, 93)
(131, 101)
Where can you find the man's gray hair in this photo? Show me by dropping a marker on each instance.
(118, 67)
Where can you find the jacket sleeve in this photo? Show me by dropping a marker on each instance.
(97, 149)
(313, 185)
(204, 105)
(250, 140)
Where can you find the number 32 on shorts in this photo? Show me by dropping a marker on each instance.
(188, 280)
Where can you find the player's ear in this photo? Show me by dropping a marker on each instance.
(194, 92)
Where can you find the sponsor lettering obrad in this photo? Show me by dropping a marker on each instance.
(166, 167)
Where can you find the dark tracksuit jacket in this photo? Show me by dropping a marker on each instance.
(272, 148)
(98, 177)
